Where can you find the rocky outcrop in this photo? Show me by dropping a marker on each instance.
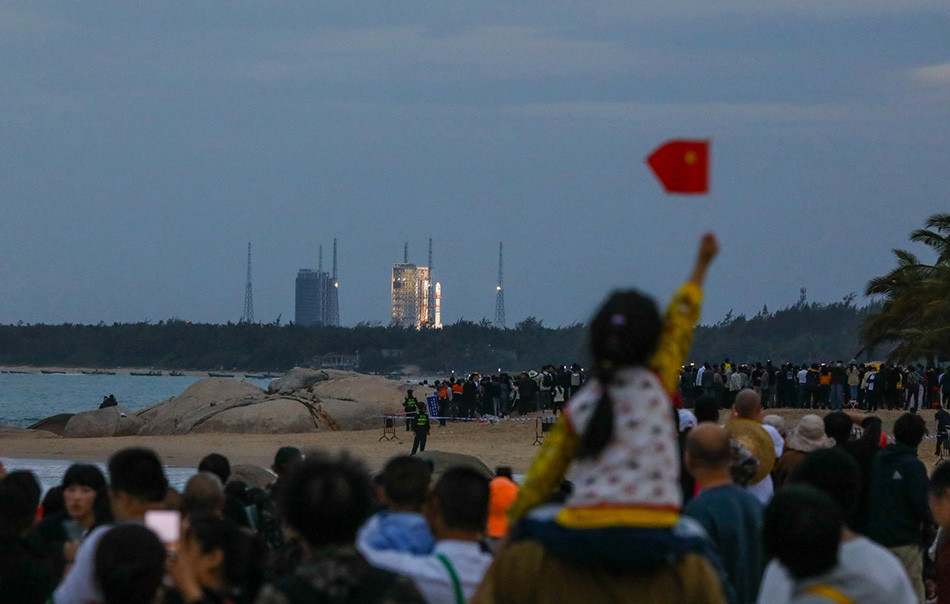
(54, 423)
(298, 378)
(330, 400)
(111, 421)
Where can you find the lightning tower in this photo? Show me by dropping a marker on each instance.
(248, 295)
(333, 297)
(500, 296)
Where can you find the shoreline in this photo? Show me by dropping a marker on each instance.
(57, 370)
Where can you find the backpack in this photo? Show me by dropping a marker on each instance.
(575, 379)
(547, 381)
(812, 378)
(913, 379)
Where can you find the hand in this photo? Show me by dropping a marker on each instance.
(69, 550)
(708, 248)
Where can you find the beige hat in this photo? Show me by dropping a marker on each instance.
(809, 435)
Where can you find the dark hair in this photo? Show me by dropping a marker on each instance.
(909, 429)
(838, 426)
(139, 473)
(326, 499)
(129, 564)
(834, 472)
(463, 494)
(215, 533)
(19, 498)
(939, 480)
(706, 410)
(203, 493)
(88, 475)
(53, 502)
(405, 480)
(285, 458)
(623, 333)
(217, 464)
(504, 471)
(802, 528)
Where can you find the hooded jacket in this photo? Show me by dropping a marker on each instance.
(898, 497)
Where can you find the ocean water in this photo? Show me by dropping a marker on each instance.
(27, 398)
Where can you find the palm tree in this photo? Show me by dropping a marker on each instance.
(916, 311)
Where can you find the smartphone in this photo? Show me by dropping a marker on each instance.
(166, 524)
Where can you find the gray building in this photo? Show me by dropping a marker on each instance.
(315, 299)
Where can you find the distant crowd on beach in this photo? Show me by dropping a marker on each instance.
(828, 385)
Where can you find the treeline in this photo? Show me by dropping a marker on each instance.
(174, 344)
(798, 333)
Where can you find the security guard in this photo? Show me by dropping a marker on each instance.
(410, 406)
(421, 429)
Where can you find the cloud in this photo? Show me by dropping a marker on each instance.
(932, 74)
(497, 52)
(772, 112)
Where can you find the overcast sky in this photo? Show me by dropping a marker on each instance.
(143, 147)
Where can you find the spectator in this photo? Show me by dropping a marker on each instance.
(865, 572)
(216, 563)
(748, 407)
(403, 487)
(234, 507)
(204, 494)
(939, 498)
(28, 572)
(129, 565)
(803, 531)
(899, 507)
(137, 483)
(456, 511)
(503, 492)
(325, 500)
(730, 514)
(809, 435)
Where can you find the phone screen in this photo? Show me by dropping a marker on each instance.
(166, 524)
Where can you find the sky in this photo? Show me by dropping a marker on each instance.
(143, 146)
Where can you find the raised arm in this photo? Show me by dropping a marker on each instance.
(682, 315)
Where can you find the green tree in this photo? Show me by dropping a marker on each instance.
(915, 314)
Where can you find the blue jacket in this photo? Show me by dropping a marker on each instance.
(898, 497)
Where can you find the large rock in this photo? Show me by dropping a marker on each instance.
(251, 475)
(298, 378)
(14, 432)
(442, 461)
(340, 400)
(203, 399)
(54, 423)
(111, 421)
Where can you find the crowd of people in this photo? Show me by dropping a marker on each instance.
(833, 385)
(630, 499)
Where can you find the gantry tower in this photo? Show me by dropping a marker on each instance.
(248, 316)
(500, 295)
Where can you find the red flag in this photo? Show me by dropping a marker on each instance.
(682, 166)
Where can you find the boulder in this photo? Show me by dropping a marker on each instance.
(442, 461)
(111, 421)
(205, 398)
(298, 378)
(251, 475)
(14, 432)
(54, 423)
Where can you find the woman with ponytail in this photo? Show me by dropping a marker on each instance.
(617, 444)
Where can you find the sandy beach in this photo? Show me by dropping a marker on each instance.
(502, 443)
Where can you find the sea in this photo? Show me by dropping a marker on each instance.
(26, 398)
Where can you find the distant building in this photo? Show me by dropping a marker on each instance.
(315, 299)
(411, 296)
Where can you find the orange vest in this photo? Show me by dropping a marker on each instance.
(502, 493)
